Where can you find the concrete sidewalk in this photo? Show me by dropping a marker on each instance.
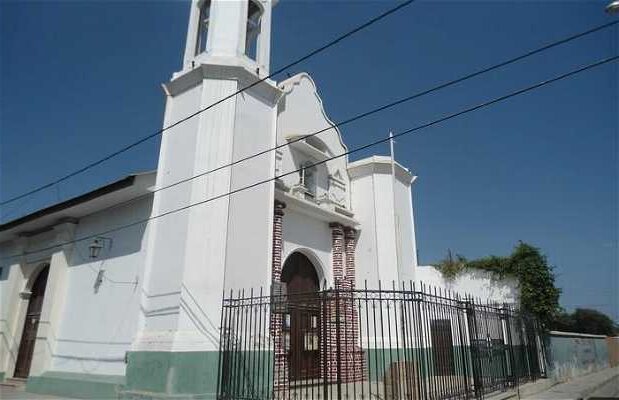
(603, 383)
(17, 393)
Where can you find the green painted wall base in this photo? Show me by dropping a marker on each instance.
(171, 375)
(83, 386)
(1, 376)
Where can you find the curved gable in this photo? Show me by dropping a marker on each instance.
(301, 112)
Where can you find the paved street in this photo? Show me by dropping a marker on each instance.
(609, 390)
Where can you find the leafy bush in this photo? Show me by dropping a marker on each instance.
(538, 293)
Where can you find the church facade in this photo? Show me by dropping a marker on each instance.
(120, 290)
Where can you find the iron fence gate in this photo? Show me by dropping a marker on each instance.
(411, 342)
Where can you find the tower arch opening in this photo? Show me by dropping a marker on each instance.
(203, 25)
(254, 20)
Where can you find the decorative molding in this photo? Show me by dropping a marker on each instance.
(337, 189)
(379, 165)
(65, 232)
(174, 340)
(312, 209)
(223, 68)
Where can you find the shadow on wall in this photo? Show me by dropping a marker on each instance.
(122, 242)
(574, 354)
(4, 273)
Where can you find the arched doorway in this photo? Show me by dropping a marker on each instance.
(31, 325)
(302, 323)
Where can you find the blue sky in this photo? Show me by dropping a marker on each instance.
(81, 79)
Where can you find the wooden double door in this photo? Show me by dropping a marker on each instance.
(302, 322)
(31, 325)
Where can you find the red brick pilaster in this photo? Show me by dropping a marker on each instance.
(337, 253)
(350, 240)
(278, 219)
(343, 326)
(356, 364)
(281, 373)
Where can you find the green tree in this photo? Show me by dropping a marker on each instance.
(538, 293)
(562, 322)
(593, 321)
(584, 320)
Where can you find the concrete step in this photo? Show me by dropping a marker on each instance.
(17, 383)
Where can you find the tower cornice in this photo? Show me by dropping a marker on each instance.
(224, 69)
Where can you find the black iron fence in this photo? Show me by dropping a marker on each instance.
(411, 342)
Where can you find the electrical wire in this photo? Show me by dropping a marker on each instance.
(357, 149)
(161, 131)
(373, 111)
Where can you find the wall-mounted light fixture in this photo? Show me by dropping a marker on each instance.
(98, 244)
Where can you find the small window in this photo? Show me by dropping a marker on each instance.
(307, 177)
(254, 14)
(203, 23)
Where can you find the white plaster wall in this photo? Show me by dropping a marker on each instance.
(81, 330)
(381, 240)
(223, 239)
(312, 238)
(202, 257)
(479, 284)
(366, 253)
(376, 250)
(405, 230)
(250, 221)
(98, 326)
(164, 261)
(186, 250)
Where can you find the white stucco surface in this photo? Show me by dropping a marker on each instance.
(311, 237)
(84, 327)
(479, 284)
(386, 250)
(97, 325)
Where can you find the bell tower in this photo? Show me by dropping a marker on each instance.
(223, 31)
(218, 110)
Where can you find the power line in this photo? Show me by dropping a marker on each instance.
(374, 111)
(360, 148)
(161, 131)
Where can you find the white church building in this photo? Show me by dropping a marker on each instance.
(120, 289)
